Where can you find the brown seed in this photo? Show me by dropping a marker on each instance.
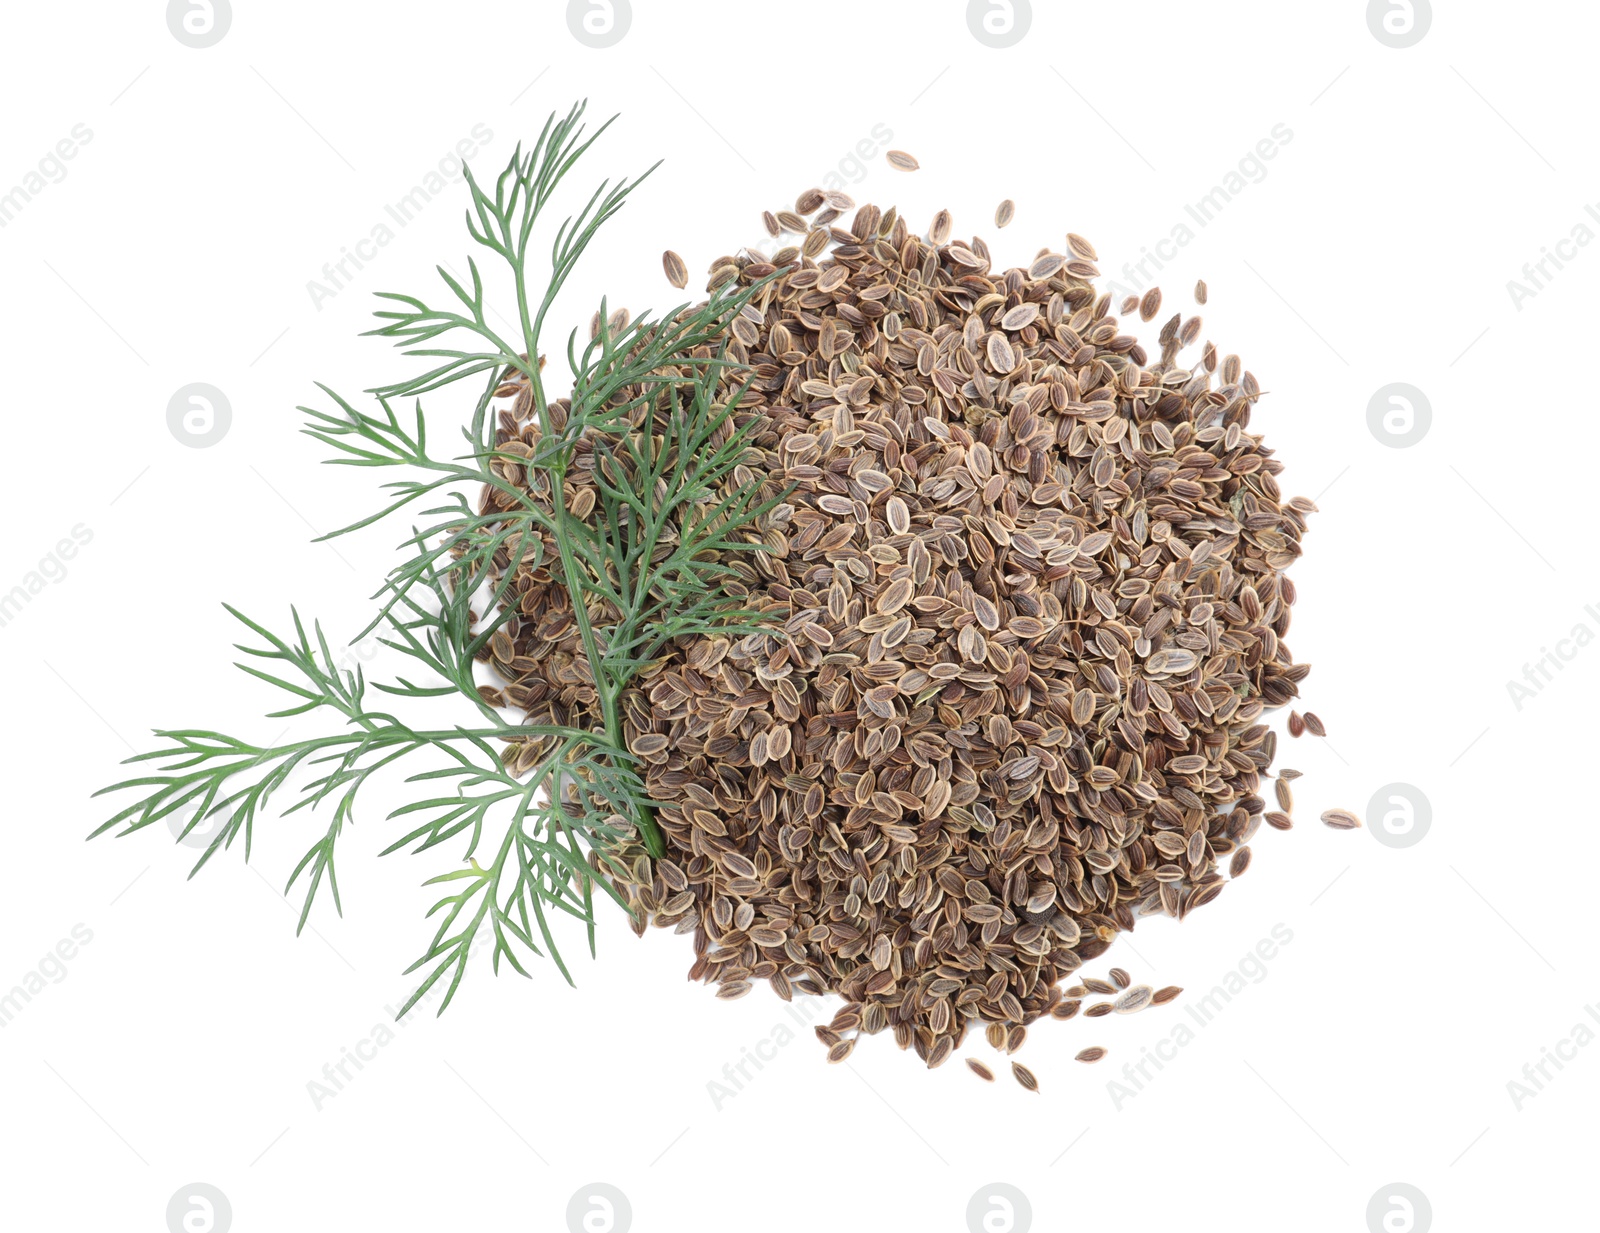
(769, 220)
(677, 272)
(1285, 795)
(1081, 247)
(901, 161)
(979, 1069)
(1133, 1000)
(1019, 594)
(1024, 1076)
(1340, 819)
(1120, 978)
(1280, 821)
(1004, 211)
(1297, 726)
(1164, 995)
(1151, 304)
(1288, 773)
(1314, 725)
(1092, 1054)
(1200, 292)
(842, 1050)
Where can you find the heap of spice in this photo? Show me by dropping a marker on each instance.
(1026, 604)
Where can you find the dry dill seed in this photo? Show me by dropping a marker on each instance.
(1279, 821)
(1024, 1076)
(1150, 305)
(1297, 726)
(1314, 725)
(1340, 819)
(901, 161)
(1284, 793)
(1012, 539)
(1288, 773)
(1200, 292)
(1004, 211)
(769, 220)
(1239, 863)
(1164, 995)
(979, 1069)
(677, 272)
(1092, 1054)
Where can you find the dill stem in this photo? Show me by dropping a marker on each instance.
(557, 471)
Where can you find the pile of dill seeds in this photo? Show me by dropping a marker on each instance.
(1027, 606)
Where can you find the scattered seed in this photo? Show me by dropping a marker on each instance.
(1341, 819)
(1164, 995)
(1314, 725)
(1120, 978)
(1297, 726)
(979, 1069)
(901, 161)
(1092, 1054)
(1024, 1076)
(677, 272)
(1134, 999)
(1200, 292)
(1150, 305)
(1004, 211)
(1098, 1010)
(1289, 773)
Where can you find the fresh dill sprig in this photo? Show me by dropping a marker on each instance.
(650, 563)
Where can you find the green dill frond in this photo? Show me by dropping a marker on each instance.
(541, 815)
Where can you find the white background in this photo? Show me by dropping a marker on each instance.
(177, 1045)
